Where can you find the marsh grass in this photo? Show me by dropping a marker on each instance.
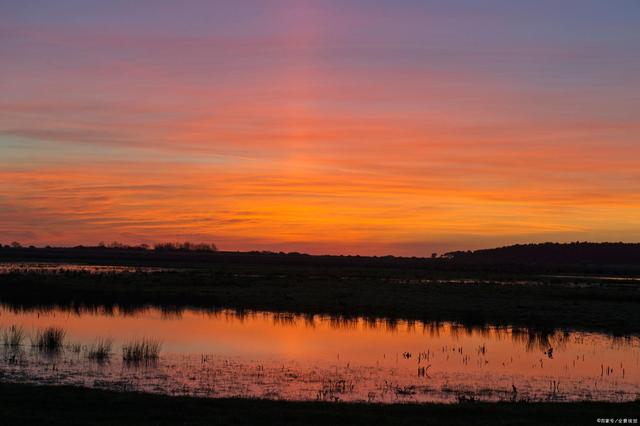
(141, 350)
(50, 339)
(13, 336)
(75, 348)
(99, 350)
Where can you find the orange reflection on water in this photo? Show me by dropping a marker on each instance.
(317, 337)
(373, 353)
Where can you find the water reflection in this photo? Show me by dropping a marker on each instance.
(282, 355)
(530, 339)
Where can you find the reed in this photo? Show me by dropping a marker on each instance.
(49, 339)
(13, 336)
(141, 350)
(75, 348)
(100, 350)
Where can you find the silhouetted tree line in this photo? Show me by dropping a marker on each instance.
(117, 245)
(516, 257)
(186, 246)
(553, 253)
(166, 246)
(16, 245)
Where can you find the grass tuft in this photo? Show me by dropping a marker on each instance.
(75, 348)
(49, 339)
(100, 350)
(141, 350)
(13, 336)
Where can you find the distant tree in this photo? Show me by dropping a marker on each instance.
(16, 244)
(186, 246)
(434, 255)
(205, 247)
(164, 247)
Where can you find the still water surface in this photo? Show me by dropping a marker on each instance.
(60, 268)
(285, 356)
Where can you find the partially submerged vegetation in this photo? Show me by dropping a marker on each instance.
(99, 350)
(13, 336)
(50, 339)
(142, 350)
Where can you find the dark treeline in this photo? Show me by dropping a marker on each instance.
(164, 246)
(593, 258)
(165, 256)
(554, 253)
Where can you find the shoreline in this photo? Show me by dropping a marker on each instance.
(56, 405)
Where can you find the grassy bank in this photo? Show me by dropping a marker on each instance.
(545, 304)
(63, 405)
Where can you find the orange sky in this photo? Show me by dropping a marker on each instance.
(319, 126)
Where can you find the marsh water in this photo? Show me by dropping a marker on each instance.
(284, 356)
(53, 268)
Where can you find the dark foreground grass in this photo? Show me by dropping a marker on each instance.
(64, 405)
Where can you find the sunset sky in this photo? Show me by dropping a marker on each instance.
(347, 126)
